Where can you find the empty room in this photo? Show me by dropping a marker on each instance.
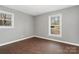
(39, 29)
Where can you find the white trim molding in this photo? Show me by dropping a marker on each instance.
(6, 43)
(75, 44)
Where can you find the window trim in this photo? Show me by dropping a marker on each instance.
(12, 19)
(60, 35)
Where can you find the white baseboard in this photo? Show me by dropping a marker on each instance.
(16, 40)
(75, 44)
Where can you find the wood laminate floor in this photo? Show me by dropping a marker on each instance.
(38, 46)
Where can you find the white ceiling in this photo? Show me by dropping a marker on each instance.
(37, 9)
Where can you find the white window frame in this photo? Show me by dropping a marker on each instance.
(12, 19)
(60, 35)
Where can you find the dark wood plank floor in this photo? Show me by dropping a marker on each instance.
(38, 46)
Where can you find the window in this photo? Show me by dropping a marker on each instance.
(6, 19)
(55, 25)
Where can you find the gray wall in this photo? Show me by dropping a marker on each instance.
(26, 25)
(23, 26)
(70, 24)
